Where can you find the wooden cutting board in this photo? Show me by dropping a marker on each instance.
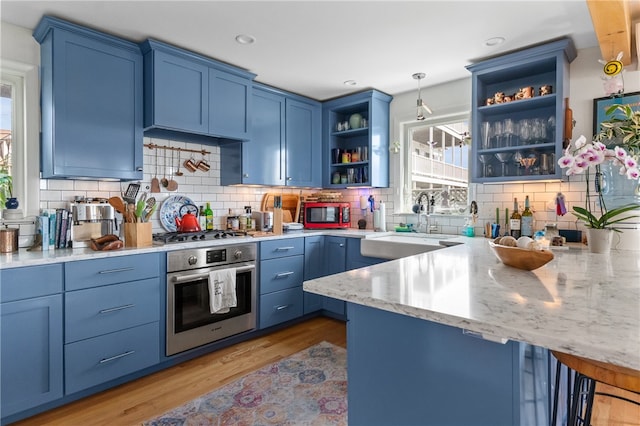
(290, 205)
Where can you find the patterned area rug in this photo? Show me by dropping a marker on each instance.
(308, 388)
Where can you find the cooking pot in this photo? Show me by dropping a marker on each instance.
(188, 222)
(9, 240)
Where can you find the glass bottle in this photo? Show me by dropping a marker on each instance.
(202, 218)
(514, 221)
(527, 220)
(208, 213)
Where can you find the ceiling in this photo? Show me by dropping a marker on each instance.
(313, 47)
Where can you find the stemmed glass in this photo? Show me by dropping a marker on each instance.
(509, 132)
(497, 133)
(517, 158)
(485, 159)
(503, 157)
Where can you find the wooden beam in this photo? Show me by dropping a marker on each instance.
(612, 24)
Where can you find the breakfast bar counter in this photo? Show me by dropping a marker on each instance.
(412, 323)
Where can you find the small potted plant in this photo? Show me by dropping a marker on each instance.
(6, 192)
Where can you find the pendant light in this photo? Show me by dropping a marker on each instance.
(421, 106)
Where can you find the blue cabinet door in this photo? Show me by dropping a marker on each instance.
(178, 96)
(304, 144)
(315, 266)
(31, 353)
(263, 156)
(336, 252)
(229, 105)
(91, 103)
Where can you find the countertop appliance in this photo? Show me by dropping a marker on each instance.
(326, 215)
(190, 322)
(263, 220)
(91, 219)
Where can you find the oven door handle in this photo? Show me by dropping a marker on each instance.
(192, 277)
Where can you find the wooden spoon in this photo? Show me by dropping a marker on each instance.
(172, 185)
(164, 180)
(118, 204)
(155, 183)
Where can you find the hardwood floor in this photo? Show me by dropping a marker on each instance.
(134, 402)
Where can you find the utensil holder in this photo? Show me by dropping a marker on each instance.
(137, 234)
(277, 221)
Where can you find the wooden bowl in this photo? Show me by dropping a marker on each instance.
(521, 258)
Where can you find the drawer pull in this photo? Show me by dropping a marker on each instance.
(284, 248)
(115, 357)
(284, 274)
(281, 307)
(113, 271)
(117, 308)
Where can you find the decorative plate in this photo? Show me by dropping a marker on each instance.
(171, 209)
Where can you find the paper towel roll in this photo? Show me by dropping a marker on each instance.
(383, 218)
(364, 203)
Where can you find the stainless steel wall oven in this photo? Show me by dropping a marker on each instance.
(190, 322)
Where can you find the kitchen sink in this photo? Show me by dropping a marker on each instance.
(394, 245)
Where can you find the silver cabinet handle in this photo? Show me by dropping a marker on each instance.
(117, 308)
(284, 248)
(115, 357)
(284, 274)
(341, 245)
(113, 271)
(281, 307)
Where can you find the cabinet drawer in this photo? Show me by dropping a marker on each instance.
(281, 248)
(32, 281)
(280, 306)
(96, 311)
(278, 274)
(94, 273)
(98, 360)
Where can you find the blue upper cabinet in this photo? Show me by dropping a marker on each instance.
(193, 98)
(91, 103)
(285, 146)
(517, 113)
(358, 127)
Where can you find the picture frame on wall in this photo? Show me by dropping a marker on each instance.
(600, 106)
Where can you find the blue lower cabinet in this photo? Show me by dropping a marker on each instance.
(280, 274)
(97, 360)
(30, 353)
(356, 260)
(408, 371)
(281, 306)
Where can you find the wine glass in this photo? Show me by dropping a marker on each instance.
(485, 159)
(509, 132)
(503, 157)
(517, 157)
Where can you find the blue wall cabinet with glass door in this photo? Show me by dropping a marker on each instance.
(520, 140)
(356, 124)
(91, 103)
(31, 332)
(285, 145)
(194, 98)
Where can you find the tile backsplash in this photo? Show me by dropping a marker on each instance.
(204, 187)
(201, 187)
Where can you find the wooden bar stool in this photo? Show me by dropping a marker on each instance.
(587, 373)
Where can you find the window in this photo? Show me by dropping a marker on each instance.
(19, 133)
(437, 163)
(6, 124)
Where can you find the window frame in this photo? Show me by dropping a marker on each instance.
(405, 176)
(25, 134)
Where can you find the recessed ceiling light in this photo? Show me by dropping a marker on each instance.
(245, 39)
(494, 41)
(350, 83)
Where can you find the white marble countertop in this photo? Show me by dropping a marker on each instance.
(579, 303)
(23, 257)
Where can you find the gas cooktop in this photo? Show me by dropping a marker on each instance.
(179, 237)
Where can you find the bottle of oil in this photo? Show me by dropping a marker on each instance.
(515, 220)
(202, 218)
